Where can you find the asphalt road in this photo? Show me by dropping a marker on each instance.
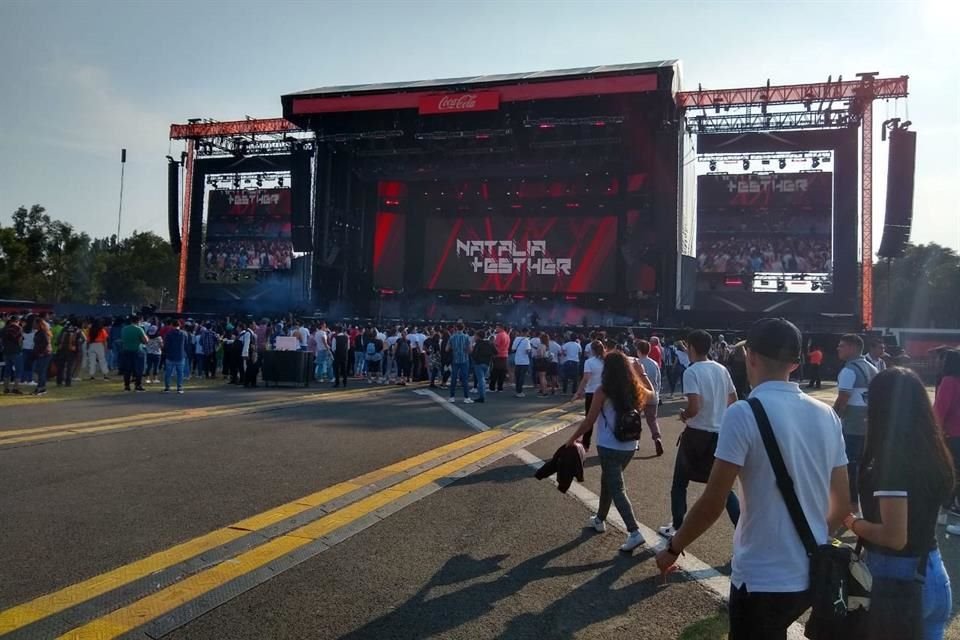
(384, 552)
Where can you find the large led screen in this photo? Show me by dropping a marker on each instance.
(248, 233)
(768, 233)
(557, 254)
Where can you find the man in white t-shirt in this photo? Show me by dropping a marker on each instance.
(771, 570)
(652, 370)
(521, 359)
(709, 390)
(570, 369)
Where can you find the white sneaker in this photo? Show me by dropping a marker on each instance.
(598, 525)
(519, 395)
(633, 541)
(953, 529)
(942, 518)
(467, 401)
(451, 400)
(667, 531)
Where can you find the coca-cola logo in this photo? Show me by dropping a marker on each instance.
(458, 103)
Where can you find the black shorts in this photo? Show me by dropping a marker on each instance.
(696, 454)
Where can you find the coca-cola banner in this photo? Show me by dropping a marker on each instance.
(460, 102)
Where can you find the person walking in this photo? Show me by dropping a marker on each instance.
(946, 407)
(175, 348)
(709, 390)
(521, 359)
(459, 349)
(590, 382)
(483, 354)
(907, 472)
(652, 370)
(132, 341)
(771, 569)
(853, 382)
(620, 392)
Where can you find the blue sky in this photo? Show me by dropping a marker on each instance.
(81, 79)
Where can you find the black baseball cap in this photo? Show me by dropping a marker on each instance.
(775, 338)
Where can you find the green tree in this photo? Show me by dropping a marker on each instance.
(921, 289)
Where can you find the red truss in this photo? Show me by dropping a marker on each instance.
(196, 130)
(792, 93)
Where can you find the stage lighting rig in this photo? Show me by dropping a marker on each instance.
(746, 164)
(783, 163)
(713, 165)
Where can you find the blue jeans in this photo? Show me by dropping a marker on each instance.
(520, 373)
(678, 498)
(324, 370)
(26, 371)
(169, 369)
(854, 446)
(359, 363)
(461, 372)
(480, 374)
(937, 596)
(571, 373)
(42, 365)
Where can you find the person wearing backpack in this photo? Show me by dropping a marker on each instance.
(770, 580)
(402, 354)
(373, 355)
(853, 382)
(616, 410)
(69, 344)
(907, 473)
(340, 346)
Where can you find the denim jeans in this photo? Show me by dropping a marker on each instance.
(937, 596)
(520, 373)
(171, 368)
(612, 464)
(26, 371)
(571, 371)
(480, 373)
(461, 372)
(678, 498)
(41, 365)
(324, 368)
(359, 363)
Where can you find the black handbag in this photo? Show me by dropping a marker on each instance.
(839, 581)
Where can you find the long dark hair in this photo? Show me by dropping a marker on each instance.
(951, 363)
(620, 383)
(902, 432)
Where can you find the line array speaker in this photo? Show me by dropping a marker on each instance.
(900, 176)
(173, 202)
(300, 198)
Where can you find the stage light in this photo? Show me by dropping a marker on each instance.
(236, 181)
(815, 163)
(713, 165)
(781, 285)
(815, 286)
(280, 181)
(259, 181)
(746, 164)
(783, 163)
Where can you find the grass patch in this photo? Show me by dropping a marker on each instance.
(712, 628)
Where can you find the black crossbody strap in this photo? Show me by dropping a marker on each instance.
(784, 481)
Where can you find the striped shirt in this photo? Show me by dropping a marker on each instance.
(460, 347)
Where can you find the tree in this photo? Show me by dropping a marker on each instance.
(921, 289)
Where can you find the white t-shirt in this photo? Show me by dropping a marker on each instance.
(594, 368)
(571, 351)
(28, 337)
(521, 345)
(304, 336)
(554, 351)
(767, 552)
(711, 381)
(604, 426)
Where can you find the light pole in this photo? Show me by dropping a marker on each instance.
(123, 163)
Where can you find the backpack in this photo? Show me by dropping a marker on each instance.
(629, 425)
(403, 347)
(342, 342)
(372, 354)
(68, 341)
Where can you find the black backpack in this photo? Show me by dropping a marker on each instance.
(629, 425)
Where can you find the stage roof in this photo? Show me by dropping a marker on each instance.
(478, 81)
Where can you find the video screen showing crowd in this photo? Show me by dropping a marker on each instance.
(248, 235)
(765, 233)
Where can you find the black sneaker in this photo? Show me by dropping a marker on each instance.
(659, 446)
(40, 392)
(139, 389)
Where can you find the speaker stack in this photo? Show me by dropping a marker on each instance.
(900, 177)
(300, 198)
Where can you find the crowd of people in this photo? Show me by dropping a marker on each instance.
(774, 254)
(228, 255)
(851, 468)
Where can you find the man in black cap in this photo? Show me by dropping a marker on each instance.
(771, 570)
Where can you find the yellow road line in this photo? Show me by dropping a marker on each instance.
(47, 605)
(142, 420)
(142, 611)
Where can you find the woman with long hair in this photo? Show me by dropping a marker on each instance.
(907, 473)
(947, 409)
(620, 391)
(29, 333)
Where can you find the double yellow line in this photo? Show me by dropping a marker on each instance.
(124, 619)
(90, 427)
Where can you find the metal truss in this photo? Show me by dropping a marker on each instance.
(771, 121)
(795, 93)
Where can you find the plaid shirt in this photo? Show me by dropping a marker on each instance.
(208, 341)
(460, 348)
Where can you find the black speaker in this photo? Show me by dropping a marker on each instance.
(900, 175)
(173, 201)
(300, 197)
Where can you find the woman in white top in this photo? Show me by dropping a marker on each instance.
(589, 383)
(621, 390)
